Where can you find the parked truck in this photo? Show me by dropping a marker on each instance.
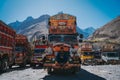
(7, 46)
(62, 34)
(87, 54)
(109, 54)
(38, 52)
(22, 50)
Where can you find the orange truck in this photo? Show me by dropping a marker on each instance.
(7, 45)
(22, 50)
(62, 34)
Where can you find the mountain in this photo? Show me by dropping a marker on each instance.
(89, 30)
(110, 31)
(15, 25)
(19, 26)
(32, 27)
(86, 32)
(39, 28)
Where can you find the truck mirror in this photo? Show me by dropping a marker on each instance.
(81, 35)
(49, 23)
(43, 37)
(80, 40)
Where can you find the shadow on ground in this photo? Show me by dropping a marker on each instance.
(82, 75)
(16, 68)
(37, 67)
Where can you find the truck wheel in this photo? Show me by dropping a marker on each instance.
(49, 70)
(23, 65)
(0, 65)
(41, 64)
(4, 64)
(10, 66)
(32, 65)
(73, 70)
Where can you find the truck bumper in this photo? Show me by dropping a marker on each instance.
(113, 62)
(37, 61)
(66, 66)
(19, 61)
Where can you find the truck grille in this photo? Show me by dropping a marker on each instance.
(62, 58)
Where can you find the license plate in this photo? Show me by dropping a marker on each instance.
(19, 59)
(39, 59)
(47, 61)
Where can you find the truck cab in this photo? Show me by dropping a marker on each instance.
(22, 50)
(37, 57)
(61, 60)
(87, 54)
(110, 57)
(87, 57)
(20, 53)
(38, 54)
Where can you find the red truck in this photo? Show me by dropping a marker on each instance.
(7, 46)
(38, 52)
(22, 50)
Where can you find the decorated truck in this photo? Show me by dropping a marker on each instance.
(7, 46)
(87, 54)
(109, 54)
(22, 50)
(62, 36)
(38, 52)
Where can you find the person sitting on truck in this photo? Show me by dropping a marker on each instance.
(44, 41)
(74, 54)
(73, 51)
(48, 50)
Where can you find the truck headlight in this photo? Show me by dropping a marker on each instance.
(53, 59)
(70, 59)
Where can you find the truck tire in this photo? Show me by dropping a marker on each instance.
(10, 66)
(23, 65)
(73, 71)
(4, 65)
(49, 70)
(0, 64)
(32, 65)
(41, 64)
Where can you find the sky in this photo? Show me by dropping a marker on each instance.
(89, 13)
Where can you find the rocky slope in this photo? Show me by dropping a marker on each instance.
(110, 31)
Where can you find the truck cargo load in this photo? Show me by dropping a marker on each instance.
(62, 24)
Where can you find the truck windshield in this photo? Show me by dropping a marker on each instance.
(20, 49)
(112, 54)
(55, 38)
(88, 53)
(39, 51)
(63, 38)
(70, 38)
